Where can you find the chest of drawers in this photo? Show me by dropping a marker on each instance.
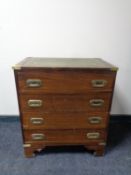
(64, 102)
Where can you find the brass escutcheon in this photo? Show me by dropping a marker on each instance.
(99, 83)
(95, 119)
(93, 135)
(38, 136)
(36, 121)
(34, 103)
(96, 102)
(33, 83)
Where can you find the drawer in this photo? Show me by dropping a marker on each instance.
(66, 103)
(64, 120)
(64, 136)
(60, 81)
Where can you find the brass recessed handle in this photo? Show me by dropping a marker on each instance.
(38, 136)
(34, 103)
(95, 120)
(99, 83)
(37, 121)
(33, 82)
(96, 102)
(93, 135)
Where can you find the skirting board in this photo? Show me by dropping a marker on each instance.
(116, 118)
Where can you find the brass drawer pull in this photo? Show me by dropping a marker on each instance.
(33, 82)
(96, 102)
(38, 136)
(37, 121)
(93, 135)
(99, 83)
(34, 103)
(95, 120)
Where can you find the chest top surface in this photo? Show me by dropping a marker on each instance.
(39, 62)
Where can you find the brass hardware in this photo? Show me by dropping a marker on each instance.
(16, 67)
(34, 103)
(95, 119)
(27, 145)
(38, 136)
(102, 143)
(39, 149)
(36, 121)
(99, 83)
(114, 69)
(34, 82)
(96, 102)
(93, 135)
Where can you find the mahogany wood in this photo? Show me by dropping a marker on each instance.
(66, 102)
(72, 120)
(64, 81)
(66, 91)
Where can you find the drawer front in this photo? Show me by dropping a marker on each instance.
(64, 120)
(66, 103)
(64, 136)
(64, 81)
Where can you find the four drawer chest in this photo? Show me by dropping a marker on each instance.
(64, 101)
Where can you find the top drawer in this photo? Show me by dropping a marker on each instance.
(63, 81)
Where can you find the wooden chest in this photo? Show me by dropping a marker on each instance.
(64, 102)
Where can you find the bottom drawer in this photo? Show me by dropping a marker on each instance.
(64, 136)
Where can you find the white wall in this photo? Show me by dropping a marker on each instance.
(65, 28)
